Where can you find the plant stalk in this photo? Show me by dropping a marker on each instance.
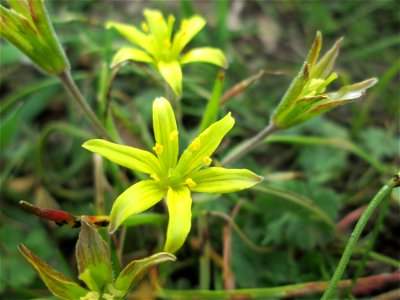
(70, 85)
(382, 194)
(248, 145)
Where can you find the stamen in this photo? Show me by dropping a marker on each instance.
(173, 135)
(158, 149)
(190, 182)
(207, 160)
(167, 44)
(144, 26)
(184, 24)
(195, 145)
(154, 177)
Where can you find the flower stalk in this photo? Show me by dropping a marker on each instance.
(70, 86)
(351, 244)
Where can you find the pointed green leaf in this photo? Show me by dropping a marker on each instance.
(93, 258)
(166, 133)
(56, 282)
(292, 93)
(172, 73)
(221, 180)
(20, 6)
(325, 65)
(211, 113)
(189, 28)
(137, 269)
(134, 200)
(132, 34)
(33, 34)
(179, 205)
(353, 91)
(205, 54)
(202, 147)
(126, 53)
(315, 49)
(129, 157)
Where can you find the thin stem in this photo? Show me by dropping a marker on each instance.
(375, 232)
(364, 285)
(382, 193)
(70, 85)
(249, 144)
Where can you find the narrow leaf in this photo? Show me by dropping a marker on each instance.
(56, 282)
(211, 113)
(93, 258)
(137, 269)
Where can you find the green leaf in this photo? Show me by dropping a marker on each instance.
(137, 198)
(129, 157)
(9, 127)
(221, 180)
(56, 282)
(206, 55)
(293, 92)
(93, 258)
(211, 113)
(135, 270)
(179, 203)
(325, 65)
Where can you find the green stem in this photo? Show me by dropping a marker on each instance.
(382, 193)
(287, 291)
(249, 144)
(70, 85)
(370, 246)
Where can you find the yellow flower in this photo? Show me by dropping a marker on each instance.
(162, 49)
(170, 177)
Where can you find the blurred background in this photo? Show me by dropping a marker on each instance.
(336, 162)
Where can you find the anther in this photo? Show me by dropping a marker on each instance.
(207, 160)
(158, 149)
(190, 182)
(173, 135)
(195, 145)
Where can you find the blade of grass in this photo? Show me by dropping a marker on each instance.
(378, 198)
(211, 113)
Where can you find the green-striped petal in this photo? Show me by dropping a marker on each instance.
(166, 133)
(201, 148)
(179, 205)
(129, 157)
(189, 28)
(172, 73)
(158, 27)
(205, 54)
(134, 54)
(221, 180)
(132, 34)
(134, 200)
